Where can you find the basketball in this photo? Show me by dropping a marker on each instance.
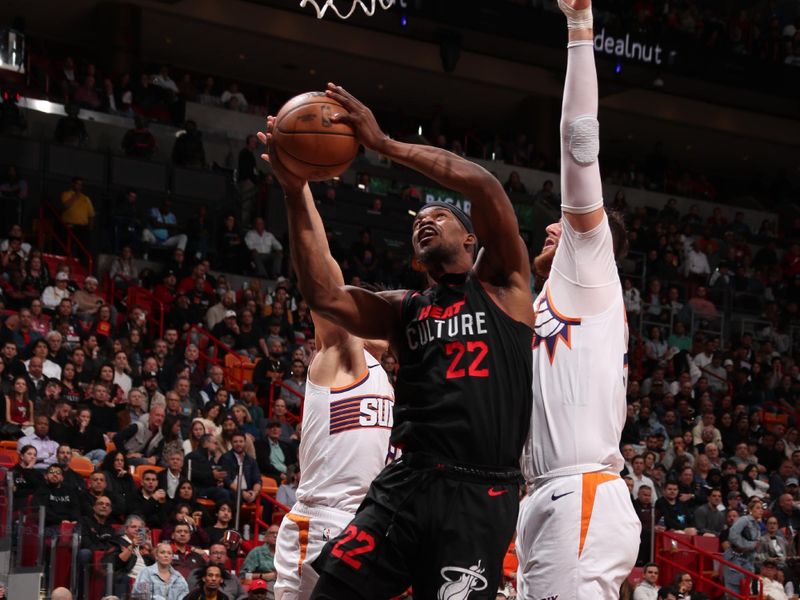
(308, 143)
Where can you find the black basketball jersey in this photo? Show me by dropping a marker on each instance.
(463, 390)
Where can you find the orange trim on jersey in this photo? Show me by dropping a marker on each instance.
(554, 310)
(350, 386)
(590, 483)
(302, 531)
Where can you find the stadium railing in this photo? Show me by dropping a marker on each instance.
(48, 226)
(678, 552)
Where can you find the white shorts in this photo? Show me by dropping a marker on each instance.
(303, 534)
(577, 538)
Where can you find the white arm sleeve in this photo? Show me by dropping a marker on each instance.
(584, 273)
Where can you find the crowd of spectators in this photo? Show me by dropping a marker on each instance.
(711, 440)
(83, 375)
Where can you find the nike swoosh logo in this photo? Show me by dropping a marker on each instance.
(554, 497)
(493, 492)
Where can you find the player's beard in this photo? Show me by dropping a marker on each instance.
(436, 254)
(544, 261)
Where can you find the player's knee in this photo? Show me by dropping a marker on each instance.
(583, 139)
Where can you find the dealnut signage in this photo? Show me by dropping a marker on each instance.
(625, 47)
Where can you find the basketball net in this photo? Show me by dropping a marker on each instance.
(367, 5)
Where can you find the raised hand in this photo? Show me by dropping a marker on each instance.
(358, 116)
(289, 181)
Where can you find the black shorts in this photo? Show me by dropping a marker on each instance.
(443, 529)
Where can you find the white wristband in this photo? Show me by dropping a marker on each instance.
(576, 19)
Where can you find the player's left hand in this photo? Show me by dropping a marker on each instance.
(289, 182)
(358, 116)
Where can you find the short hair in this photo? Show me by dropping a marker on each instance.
(204, 438)
(150, 472)
(132, 518)
(650, 565)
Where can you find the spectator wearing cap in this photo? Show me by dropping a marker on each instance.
(709, 518)
(266, 252)
(87, 301)
(216, 313)
(226, 331)
(258, 590)
(54, 294)
(273, 455)
(154, 395)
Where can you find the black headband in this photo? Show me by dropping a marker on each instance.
(457, 212)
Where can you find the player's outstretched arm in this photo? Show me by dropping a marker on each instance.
(492, 213)
(581, 186)
(361, 312)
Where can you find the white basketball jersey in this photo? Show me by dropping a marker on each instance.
(579, 362)
(345, 441)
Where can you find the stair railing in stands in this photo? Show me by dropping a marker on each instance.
(664, 555)
(261, 522)
(49, 218)
(142, 297)
(282, 385)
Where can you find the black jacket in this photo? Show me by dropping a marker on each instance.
(59, 504)
(150, 509)
(202, 472)
(94, 535)
(117, 543)
(27, 482)
(162, 481)
(263, 452)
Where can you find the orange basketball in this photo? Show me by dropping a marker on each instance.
(308, 143)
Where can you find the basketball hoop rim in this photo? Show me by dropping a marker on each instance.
(368, 6)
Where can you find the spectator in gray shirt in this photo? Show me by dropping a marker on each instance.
(708, 518)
